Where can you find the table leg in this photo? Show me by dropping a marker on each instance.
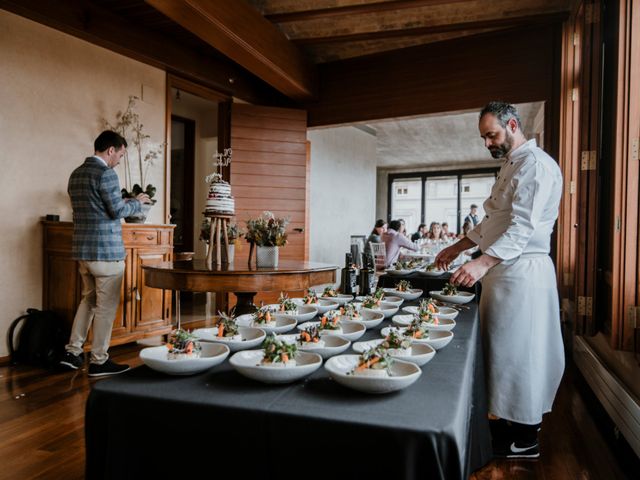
(177, 299)
(210, 246)
(218, 238)
(225, 223)
(244, 303)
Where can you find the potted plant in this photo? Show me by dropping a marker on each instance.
(143, 154)
(234, 233)
(267, 233)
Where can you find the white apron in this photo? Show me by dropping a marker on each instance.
(519, 307)
(522, 338)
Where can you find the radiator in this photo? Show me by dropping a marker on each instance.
(621, 405)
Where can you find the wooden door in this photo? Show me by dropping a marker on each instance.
(150, 306)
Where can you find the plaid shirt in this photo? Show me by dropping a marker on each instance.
(98, 206)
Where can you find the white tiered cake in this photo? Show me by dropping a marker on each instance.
(219, 200)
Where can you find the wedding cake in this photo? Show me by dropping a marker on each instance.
(219, 199)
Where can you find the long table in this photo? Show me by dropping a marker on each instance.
(143, 423)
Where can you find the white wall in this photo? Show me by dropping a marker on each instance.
(343, 190)
(55, 89)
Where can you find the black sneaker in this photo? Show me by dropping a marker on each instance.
(69, 361)
(106, 368)
(517, 450)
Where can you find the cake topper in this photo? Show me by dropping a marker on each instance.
(222, 159)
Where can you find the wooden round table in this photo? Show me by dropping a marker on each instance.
(240, 279)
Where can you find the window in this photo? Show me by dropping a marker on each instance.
(405, 203)
(438, 197)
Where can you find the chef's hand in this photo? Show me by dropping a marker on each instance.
(446, 256)
(469, 273)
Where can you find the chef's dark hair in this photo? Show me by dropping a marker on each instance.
(503, 112)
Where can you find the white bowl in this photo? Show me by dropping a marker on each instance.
(283, 323)
(418, 353)
(369, 318)
(462, 297)
(402, 320)
(435, 273)
(323, 306)
(388, 309)
(351, 330)
(436, 339)
(333, 345)
(394, 300)
(341, 298)
(211, 355)
(402, 375)
(447, 312)
(250, 337)
(394, 272)
(305, 313)
(247, 363)
(444, 324)
(441, 312)
(412, 294)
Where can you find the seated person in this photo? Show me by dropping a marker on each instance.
(422, 228)
(445, 231)
(393, 240)
(435, 232)
(376, 234)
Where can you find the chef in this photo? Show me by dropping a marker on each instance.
(519, 308)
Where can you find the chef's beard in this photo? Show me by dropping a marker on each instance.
(501, 151)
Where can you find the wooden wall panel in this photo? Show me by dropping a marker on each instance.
(269, 170)
(516, 66)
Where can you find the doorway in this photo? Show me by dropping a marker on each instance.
(183, 138)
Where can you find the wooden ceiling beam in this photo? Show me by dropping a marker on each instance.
(360, 9)
(238, 31)
(526, 20)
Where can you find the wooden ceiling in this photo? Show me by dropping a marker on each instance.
(329, 30)
(253, 46)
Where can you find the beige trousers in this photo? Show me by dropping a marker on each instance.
(101, 286)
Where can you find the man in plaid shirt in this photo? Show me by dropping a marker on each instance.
(98, 206)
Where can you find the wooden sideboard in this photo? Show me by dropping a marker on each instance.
(143, 311)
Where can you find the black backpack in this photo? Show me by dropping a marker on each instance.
(41, 339)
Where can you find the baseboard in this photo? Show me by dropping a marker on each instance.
(621, 405)
(4, 361)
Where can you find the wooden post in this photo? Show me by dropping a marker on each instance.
(225, 224)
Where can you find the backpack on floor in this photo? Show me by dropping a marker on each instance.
(41, 339)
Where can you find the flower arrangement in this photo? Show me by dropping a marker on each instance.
(145, 153)
(233, 231)
(267, 230)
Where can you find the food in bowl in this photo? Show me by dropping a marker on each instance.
(277, 353)
(287, 305)
(183, 345)
(403, 286)
(374, 362)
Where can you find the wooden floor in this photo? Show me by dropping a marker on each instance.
(42, 436)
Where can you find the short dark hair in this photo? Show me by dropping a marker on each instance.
(107, 139)
(395, 225)
(503, 111)
(445, 223)
(473, 205)
(379, 223)
(420, 226)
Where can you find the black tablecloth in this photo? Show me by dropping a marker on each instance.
(143, 423)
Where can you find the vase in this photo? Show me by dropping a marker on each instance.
(232, 249)
(141, 216)
(267, 257)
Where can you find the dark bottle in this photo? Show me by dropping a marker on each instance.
(348, 280)
(367, 275)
